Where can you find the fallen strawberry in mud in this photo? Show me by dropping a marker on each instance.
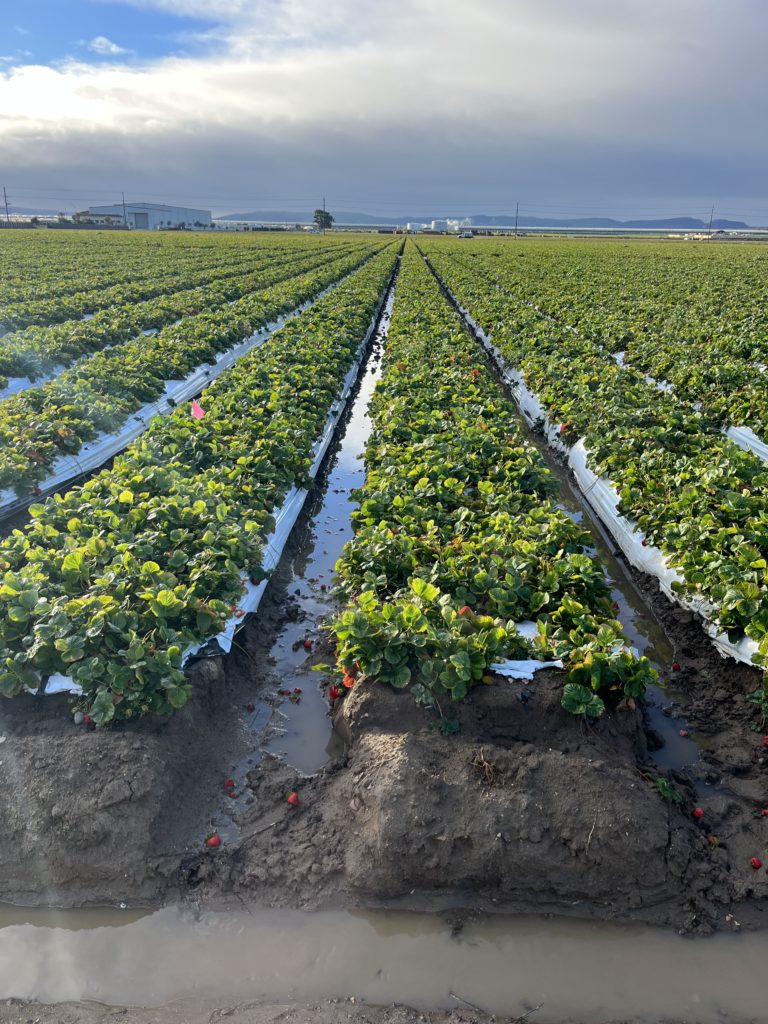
(713, 841)
(250, 707)
(675, 666)
(755, 863)
(765, 741)
(307, 644)
(229, 783)
(293, 798)
(684, 733)
(213, 840)
(698, 813)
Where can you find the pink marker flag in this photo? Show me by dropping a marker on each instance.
(197, 410)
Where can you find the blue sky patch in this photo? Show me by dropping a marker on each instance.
(49, 32)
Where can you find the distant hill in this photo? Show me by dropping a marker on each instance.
(502, 220)
(669, 223)
(292, 217)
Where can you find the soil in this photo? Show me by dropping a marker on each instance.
(525, 809)
(522, 810)
(339, 1012)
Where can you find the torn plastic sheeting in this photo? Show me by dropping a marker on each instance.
(604, 499)
(96, 453)
(57, 683)
(523, 669)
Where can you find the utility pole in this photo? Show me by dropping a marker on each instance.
(517, 210)
(125, 219)
(711, 215)
(5, 198)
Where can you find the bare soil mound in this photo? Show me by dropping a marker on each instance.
(524, 809)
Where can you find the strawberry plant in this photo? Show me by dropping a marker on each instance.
(458, 536)
(111, 582)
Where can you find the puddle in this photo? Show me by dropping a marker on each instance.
(641, 627)
(300, 730)
(305, 740)
(505, 965)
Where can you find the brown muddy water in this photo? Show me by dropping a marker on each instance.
(505, 965)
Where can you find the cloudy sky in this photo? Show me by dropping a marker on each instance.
(416, 107)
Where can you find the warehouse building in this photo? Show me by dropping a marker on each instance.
(148, 216)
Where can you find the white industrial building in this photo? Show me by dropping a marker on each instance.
(148, 216)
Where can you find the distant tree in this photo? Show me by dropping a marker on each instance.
(323, 220)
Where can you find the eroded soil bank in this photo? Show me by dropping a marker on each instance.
(340, 1012)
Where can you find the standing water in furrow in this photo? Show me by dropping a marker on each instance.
(292, 722)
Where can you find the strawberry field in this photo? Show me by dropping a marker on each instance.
(552, 565)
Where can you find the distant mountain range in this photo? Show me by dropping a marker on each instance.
(501, 220)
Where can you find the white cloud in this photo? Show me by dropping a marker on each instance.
(21, 31)
(105, 47)
(508, 92)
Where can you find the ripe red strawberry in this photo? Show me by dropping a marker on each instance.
(644, 542)
(698, 813)
(232, 794)
(675, 666)
(229, 783)
(87, 720)
(239, 613)
(765, 812)
(307, 644)
(684, 733)
(713, 840)
(334, 693)
(765, 741)
(348, 680)
(293, 799)
(465, 610)
(250, 707)
(297, 689)
(213, 840)
(756, 863)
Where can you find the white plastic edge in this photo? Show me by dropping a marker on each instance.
(96, 453)
(274, 542)
(604, 500)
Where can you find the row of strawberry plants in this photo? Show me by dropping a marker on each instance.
(667, 334)
(98, 267)
(150, 284)
(36, 351)
(459, 538)
(111, 582)
(692, 492)
(40, 264)
(98, 395)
